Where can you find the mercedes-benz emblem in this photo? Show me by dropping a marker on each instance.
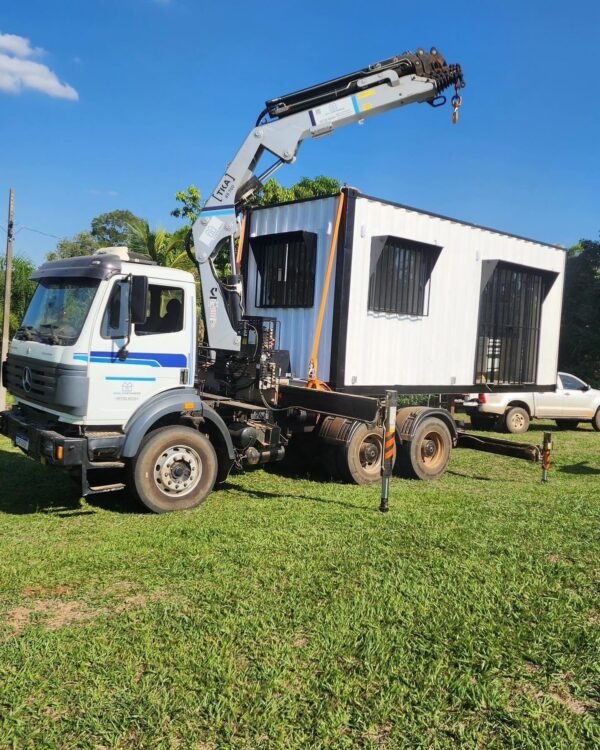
(27, 379)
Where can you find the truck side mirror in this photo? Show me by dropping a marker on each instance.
(138, 300)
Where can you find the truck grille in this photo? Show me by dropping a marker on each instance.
(62, 387)
(30, 379)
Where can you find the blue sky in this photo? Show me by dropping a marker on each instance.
(133, 100)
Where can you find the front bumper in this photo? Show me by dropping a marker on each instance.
(43, 445)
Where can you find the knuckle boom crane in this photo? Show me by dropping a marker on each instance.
(280, 129)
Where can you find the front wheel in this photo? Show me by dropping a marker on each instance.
(596, 421)
(426, 456)
(175, 469)
(516, 420)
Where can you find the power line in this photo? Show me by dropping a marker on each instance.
(31, 229)
(38, 231)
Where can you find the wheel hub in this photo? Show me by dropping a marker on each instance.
(429, 449)
(177, 470)
(369, 452)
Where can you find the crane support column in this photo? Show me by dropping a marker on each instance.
(389, 439)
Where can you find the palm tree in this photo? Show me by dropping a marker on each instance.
(164, 248)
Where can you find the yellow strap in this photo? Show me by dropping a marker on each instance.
(240, 247)
(312, 370)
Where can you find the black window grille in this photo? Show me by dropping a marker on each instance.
(286, 267)
(510, 314)
(399, 277)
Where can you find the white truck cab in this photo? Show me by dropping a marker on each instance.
(80, 356)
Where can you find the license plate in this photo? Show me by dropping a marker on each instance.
(22, 442)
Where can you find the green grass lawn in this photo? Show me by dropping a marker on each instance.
(289, 613)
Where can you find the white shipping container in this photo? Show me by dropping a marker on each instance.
(416, 302)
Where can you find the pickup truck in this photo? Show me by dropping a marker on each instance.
(573, 402)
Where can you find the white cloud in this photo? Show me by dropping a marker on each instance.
(18, 72)
(19, 46)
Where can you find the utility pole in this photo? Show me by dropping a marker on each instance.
(7, 287)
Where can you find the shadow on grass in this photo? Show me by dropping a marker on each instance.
(264, 495)
(581, 468)
(29, 487)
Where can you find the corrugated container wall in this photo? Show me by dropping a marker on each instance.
(297, 325)
(434, 339)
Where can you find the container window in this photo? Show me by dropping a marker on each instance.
(285, 269)
(510, 314)
(400, 275)
(164, 313)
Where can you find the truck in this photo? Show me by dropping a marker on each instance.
(115, 382)
(572, 402)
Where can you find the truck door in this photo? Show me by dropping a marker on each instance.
(548, 403)
(575, 397)
(126, 370)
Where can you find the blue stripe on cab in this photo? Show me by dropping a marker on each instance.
(150, 359)
(110, 377)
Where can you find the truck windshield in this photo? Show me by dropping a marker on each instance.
(58, 310)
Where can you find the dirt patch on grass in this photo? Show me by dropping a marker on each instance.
(566, 699)
(37, 592)
(378, 735)
(558, 693)
(55, 613)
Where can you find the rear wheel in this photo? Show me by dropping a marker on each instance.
(596, 421)
(426, 456)
(516, 420)
(175, 469)
(359, 461)
(567, 424)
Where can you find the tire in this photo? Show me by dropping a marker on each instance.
(175, 469)
(596, 421)
(359, 461)
(567, 424)
(426, 456)
(516, 420)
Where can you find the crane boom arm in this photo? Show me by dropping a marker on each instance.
(285, 123)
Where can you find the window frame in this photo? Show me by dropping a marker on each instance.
(507, 348)
(162, 286)
(582, 385)
(300, 296)
(397, 294)
(123, 312)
